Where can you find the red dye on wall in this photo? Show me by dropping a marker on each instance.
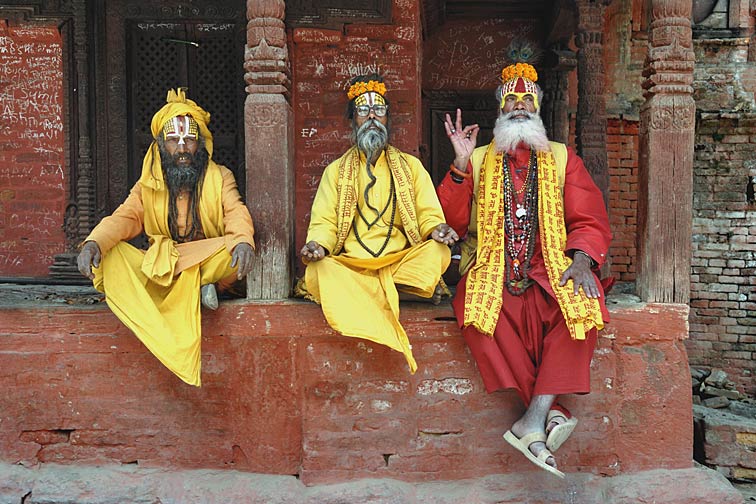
(33, 175)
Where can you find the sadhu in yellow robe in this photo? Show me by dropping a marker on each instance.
(357, 290)
(156, 293)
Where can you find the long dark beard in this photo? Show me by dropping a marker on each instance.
(184, 178)
(371, 142)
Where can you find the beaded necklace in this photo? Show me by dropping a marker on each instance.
(392, 202)
(523, 218)
(378, 214)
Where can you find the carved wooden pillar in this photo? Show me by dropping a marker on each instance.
(268, 125)
(556, 103)
(80, 213)
(665, 188)
(591, 110)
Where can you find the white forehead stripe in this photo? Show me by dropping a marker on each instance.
(181, 129)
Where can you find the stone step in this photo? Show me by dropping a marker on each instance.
(58, 484)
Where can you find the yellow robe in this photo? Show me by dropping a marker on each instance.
(156, 294)
(358, 292)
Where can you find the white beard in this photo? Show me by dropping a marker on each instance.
(509, 132)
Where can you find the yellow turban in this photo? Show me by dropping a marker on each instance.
(177, 104)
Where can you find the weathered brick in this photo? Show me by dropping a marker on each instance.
(34, 173)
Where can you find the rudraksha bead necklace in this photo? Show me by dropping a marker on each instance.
(392, 202)
(523, 217)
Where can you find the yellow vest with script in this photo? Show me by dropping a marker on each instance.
(469, 246)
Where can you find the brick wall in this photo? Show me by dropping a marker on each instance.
(323, 63)
(33, 174)
(723, 280)
(622, 153)
(625, 49)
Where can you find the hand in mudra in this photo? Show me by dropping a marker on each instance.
(463, 139)
(443, 233)
(312, 251)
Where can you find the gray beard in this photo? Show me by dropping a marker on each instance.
(510, 132)
(371, 141)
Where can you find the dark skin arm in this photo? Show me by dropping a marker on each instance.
(581, 275)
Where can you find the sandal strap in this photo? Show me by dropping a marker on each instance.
(544, 454)
(533, 437)
(555, 414)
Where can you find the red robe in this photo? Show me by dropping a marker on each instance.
(531, 350)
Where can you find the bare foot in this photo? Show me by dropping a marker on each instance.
(437, 295)
(556, 420)
(520, 429)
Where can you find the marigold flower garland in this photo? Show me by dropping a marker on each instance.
(359, 88)
(523, 70)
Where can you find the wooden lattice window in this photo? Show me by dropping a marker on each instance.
(206, 58)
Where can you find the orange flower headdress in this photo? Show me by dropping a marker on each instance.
(361, 87)
(520, 77)
(524, 70)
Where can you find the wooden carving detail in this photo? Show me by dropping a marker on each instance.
(670, 61)
(85, 197)
(268, 125)
(555, 106)
(591, 110)
(666, 156)
(266, 58)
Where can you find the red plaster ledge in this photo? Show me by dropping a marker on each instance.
(284, 394)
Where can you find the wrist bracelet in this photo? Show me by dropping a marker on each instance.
(593, 263)
(456, 178)
(459, 173)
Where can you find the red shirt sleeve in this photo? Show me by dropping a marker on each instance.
(585, 214)
(456, 200)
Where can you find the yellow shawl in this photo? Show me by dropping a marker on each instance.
(346, 191)
(160, 260)
(485, 280)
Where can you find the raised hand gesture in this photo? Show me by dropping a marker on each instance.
(463, 139)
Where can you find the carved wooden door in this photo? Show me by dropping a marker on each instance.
(149, 47)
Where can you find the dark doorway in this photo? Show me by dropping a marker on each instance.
(477, 107)
(145, 48)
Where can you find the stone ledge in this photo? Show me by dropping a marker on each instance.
(284, 394)
(56, 484)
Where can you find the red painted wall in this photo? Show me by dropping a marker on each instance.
(323, 62)
(469, 55)
(284, 394)
(33, 175)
